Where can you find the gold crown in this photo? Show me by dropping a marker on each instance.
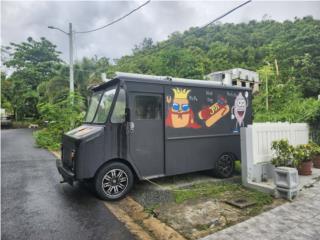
(180, 93)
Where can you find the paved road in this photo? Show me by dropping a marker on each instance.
(36, 206)
(299, 220)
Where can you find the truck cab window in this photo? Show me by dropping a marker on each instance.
(104, 106)
(93, 104)
(148, 107)
(118, 115)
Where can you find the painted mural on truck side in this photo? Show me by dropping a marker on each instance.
(191, 109)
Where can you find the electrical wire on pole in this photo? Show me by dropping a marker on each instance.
(116, 20)
(152, 51)
(72, 33)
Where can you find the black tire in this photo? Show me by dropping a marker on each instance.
(224, 166)
(113, 181)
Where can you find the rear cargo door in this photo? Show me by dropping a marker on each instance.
(146, 140)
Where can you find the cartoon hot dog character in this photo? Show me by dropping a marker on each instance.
(215, 112)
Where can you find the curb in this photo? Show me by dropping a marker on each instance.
(56, 154)
(128, 210)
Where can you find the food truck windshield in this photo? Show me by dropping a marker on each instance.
(99, 106)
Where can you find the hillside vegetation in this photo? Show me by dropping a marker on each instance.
(258, 46)
(38, 88)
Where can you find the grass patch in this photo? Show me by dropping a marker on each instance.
(224, 191)
(20, 124)
(47, 139)
(202, 227)
(260, 198)
(204, 190)
(151, 209)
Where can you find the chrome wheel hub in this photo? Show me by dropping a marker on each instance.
(114, 182)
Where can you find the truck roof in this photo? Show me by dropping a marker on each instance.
(164, 80)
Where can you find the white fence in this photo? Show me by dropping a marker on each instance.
(256, 140)
(263, 134)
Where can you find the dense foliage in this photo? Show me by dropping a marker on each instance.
(197, 52)
(38, 89)
(287, 56)
(34, 62)
(59, 117)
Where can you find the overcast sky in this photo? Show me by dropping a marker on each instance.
(157, 20)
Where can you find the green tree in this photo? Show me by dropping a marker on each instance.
(33, 62)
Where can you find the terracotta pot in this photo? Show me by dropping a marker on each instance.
(304, 168)
(316, 161)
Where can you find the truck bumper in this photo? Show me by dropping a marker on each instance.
(67, 175)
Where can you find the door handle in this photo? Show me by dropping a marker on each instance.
(130, 127)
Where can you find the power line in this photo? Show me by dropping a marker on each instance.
(225, 14)
(118, 19)
(198, 29)
(168, 43)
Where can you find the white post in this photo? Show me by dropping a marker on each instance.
(71, 59)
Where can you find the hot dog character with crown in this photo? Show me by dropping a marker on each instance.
(215, 112)
(180, 115)
(238, 111)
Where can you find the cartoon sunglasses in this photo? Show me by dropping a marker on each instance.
(183, 107)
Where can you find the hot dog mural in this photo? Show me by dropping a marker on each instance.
(180, 114)
(206, 109)
(212, 114)
(238, 111)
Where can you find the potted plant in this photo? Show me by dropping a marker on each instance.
(285, 172)
(302, 154)
(315, 154)
(283, 154)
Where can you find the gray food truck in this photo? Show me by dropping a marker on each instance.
(142, 127)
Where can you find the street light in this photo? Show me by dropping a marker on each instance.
(70, 54)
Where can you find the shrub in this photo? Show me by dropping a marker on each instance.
(315, 149)
(302, 153)
(60, 117)
(283, 153)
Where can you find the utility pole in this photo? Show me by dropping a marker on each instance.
(71, 60)
(267, 85)
(71, 73)
(267, 93)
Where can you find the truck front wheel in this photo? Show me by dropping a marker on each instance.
(224, 166)
(113, 181)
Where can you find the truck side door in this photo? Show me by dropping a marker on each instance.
(146, 138)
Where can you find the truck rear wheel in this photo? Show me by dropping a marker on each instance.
(113, 181)
(224, 166)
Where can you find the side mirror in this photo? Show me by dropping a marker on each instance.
(127, 115)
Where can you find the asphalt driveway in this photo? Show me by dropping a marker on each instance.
(36, 206)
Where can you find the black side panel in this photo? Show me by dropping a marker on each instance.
(196, 154)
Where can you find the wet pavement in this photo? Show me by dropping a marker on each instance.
(36, 206)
